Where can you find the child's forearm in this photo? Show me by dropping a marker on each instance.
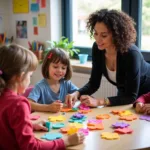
(38, 107)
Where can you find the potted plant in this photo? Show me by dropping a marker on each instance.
(64, 44)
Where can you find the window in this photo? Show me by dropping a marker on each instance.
(145, 25)
(81, 10)
(75, 13)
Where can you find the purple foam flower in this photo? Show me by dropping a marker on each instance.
(78, 115)
(145, 117)
(120, 125)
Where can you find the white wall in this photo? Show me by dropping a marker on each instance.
(52, 31)
(5, 17)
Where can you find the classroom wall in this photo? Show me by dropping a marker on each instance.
(53, 28)
(5, 16)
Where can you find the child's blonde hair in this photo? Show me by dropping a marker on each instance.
(56, 55)
(14, 60)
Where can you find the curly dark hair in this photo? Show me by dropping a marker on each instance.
(119, 23)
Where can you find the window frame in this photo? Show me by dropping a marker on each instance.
(132, 7)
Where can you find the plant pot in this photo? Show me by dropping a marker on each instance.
(83, 58)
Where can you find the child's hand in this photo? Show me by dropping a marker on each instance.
(146, 109)
(74, 139)
(71, 99)
(55, 106)
(40, 126)
(139, 107)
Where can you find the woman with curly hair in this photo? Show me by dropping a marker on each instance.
(115, 56)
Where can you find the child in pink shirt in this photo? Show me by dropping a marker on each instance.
(16, 67)
(142, 104)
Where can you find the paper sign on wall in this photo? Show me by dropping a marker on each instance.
(38, 1)
(20, 6)
(34, 21)
(43, 3)
(42, 20)
(35, 30)
(34, 7)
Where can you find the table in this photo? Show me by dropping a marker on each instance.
(139, 139)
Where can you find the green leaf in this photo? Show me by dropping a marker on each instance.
(64, 44)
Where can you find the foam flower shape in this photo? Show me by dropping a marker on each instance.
(64, 109)
(120, 125)
(64, 130)
(94, 121)
(72, 130)
(58, 125)
(116, 112)
(84, 111)
(74, 109)
(126, 113)
(103, 116)
(124, 130)
(109, 136)
(145, 117)
(52, 136)
(84, 131)
(84, 107)
(95, 126)
(128, 118)
(56, 118)
(78, 116)
(77, 125)
(76, 120)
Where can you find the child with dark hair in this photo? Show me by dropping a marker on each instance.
(49, 94)
(16, 67)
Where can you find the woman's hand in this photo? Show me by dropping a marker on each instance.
(146, 109)
(55, 106)
(40, 125)
(71, 99)
(89, 101)
(139, 107)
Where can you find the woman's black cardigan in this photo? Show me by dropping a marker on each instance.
(132, 75)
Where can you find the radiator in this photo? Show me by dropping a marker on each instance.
(106, 89)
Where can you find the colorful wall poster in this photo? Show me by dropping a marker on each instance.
(35, 30)
(34, 21)
(21, 29)
(34, 7)
(43, 3)
(42, 20)
(20, 6)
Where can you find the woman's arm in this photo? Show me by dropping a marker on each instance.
(96, 73)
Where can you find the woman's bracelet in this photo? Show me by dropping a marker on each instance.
(107, 102)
